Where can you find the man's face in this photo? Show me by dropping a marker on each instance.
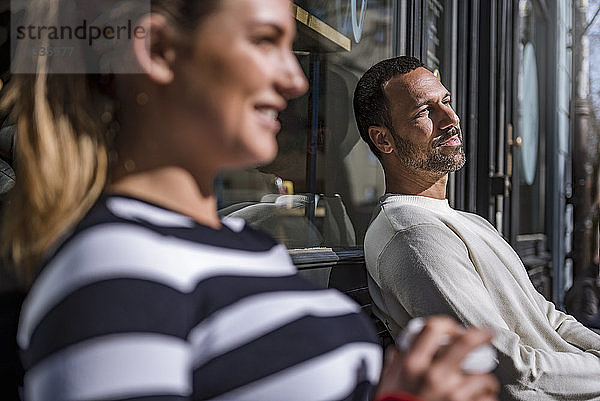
(426, 130)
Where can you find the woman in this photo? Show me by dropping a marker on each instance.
(143, 293)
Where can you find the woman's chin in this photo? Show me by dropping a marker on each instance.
(265, 151)
(257, 157)
(265, 159)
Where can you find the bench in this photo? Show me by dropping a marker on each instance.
(345, 271)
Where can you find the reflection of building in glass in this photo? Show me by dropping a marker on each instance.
(435, 34)
(320, 150)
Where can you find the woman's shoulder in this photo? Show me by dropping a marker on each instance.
(121, 222)
(125, 236)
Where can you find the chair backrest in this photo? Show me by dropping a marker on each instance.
(7, 175)
(299, 220)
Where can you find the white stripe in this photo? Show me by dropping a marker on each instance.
(119, 250)
(115, 366)
(331, 376)
(236, 224)
(132, 209)
(257, 315)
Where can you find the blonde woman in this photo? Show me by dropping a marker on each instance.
(138, 289)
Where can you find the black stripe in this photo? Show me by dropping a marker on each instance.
(364, 391)
(156, 398)
(287, 346)
(107, 307)
(134, 305)
(218, 292)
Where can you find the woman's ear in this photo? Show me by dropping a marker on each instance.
(154, 48)
(382, 139)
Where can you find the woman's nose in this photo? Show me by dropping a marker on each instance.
(293, 82)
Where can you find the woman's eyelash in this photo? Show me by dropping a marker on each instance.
(264, 39)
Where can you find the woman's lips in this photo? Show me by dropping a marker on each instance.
(267, 117)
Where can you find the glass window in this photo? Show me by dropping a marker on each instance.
(321, 188)
(531, 122)
(441, 43)
(435, 34)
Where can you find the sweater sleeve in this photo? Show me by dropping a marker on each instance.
(569, 328)
(426, 269)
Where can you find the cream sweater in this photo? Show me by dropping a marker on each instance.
(426, 258)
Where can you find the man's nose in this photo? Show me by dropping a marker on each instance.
(292, 82)
(448, 118)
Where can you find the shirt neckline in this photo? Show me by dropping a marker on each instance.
(439, 205)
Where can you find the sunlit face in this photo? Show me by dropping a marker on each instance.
(238, 76)
(426, 129)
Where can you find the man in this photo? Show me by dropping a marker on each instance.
(426, 258)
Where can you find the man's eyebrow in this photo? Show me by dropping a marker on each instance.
(428, 101)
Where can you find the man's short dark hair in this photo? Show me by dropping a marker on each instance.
(371, 106)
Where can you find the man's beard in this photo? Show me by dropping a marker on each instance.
(431, 160)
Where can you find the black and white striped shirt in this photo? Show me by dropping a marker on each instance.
(141, 302)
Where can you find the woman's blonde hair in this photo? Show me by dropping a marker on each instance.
(61, 164)
(64, 124)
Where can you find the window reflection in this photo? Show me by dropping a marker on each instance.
(532, 177)
(321, 188)
(435, 34)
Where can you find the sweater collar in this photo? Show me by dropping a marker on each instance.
(437, 205)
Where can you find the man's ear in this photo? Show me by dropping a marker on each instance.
(154, 50)
(382, 138)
